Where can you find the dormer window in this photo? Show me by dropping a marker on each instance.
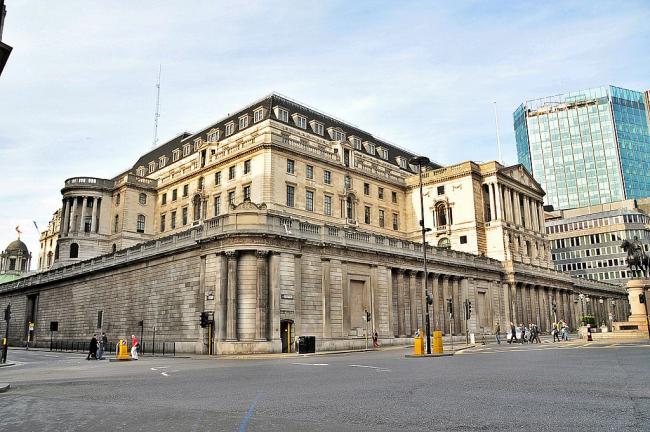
(230, 128)
(336, 134)
(140, 171)
(197, 144)
(152, 167)
(401, 162)
(176, 154)
(317, 127)
(243, 122)
(213, 135)
(162, 161)
(356, 142)
(281, 114)
(382, 152)
(370, 147)
(186, 150)
(300, 121)
(258, 114)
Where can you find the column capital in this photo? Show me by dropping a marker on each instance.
(231, 254)
(261, 253)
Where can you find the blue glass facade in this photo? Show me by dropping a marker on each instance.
(586, 148)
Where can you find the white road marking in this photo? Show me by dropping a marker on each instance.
(50, 355)
(379, 369)
(164, 373)
(311, 364)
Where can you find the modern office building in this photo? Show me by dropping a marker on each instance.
(586, 242)
(586, 148)
(279, 221)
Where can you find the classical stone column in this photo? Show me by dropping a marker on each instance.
(436, 322)
(374, 300)
(326, 298)
(508, 202)
(389, 300)
(84, 202)
(297, 296)
(446, 294)
(497, 201)
(401, 310)
(457, 305)
(540, 212)
(491, 199)
(517, 208)
(274, 297)
(231, 313)
(93, 221)
(73, 213)
(63, 215)
(413, 305)
(222, 297)
(262, 294)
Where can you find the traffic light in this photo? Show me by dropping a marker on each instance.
(450, 307)
(368, 316)
(429, 299)
(204, 319)
(8, 313)
(641, 298)
(554, 307)
(469, 309)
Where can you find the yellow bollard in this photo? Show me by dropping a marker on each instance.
(418, 345)
(437, 342)
(122, 350)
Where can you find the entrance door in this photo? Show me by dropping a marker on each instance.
(30, 313)
(286, 333)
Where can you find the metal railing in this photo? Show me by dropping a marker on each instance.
(162, 348)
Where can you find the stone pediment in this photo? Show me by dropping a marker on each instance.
(248, 205)
(522, 176)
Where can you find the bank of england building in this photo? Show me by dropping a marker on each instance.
(282, 221)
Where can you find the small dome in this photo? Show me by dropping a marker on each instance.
(17, 246)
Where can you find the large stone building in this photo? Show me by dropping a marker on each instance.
(283, 221)
(48, 241)
(15, 260)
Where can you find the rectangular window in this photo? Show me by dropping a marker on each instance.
(162, 223)
(258, 115)
(231, 198)
(301, 122)
(327, 177)
(247, 166)
(394, 197)
(176, 154)
(380, 193)
(395, 222)
(231, 172)
(174, 194)
(309, 201)
(381, 218)
(217, 178)
(356, 142)
(317, 127)
(347, 182)
(173, 221)
(247, 193)
(217, 205)
(366, 189)
(230, 128)
(366, 215)
(291, 166)
(100, 319)
(186, 190)
(243, 122)
(186, 149)
(290, 196)
(283, 114)
(441, 190)
(140, 224)
(164, 198)
(184, 215)
(463, 239)
(327, 205)
(310, 172)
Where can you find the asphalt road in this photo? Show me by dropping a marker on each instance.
(558, 387)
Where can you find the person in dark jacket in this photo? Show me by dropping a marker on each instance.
(513, 332)
(92, 350)
(103, 344)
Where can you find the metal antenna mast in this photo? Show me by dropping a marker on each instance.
(496, 120)
(157, 115)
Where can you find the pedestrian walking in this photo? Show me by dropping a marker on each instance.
(537, 334)
(513, 333)
(134, 347)
(92, 348)
(103, 344)
(565, 332)
(556, 336)
(375, 340)
(523, 333)
(497, 333)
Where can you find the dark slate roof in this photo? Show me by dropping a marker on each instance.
(269, 102)
(17, 246)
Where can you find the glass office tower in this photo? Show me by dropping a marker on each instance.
(588, 147)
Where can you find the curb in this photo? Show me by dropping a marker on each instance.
(7, 364)
(429, 355)
(4, 387)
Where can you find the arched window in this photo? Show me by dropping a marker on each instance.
(441, 213)
(140, 226)
(74, 250)
(143, 198)
(444, 243)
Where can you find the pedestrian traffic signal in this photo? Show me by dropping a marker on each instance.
(8, 313)
(641, 298)
(205, 319)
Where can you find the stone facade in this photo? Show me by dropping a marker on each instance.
(283, 221)
(48, 241)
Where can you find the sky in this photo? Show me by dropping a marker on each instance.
(77, 96)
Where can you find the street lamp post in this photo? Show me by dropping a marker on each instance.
(420, 161)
